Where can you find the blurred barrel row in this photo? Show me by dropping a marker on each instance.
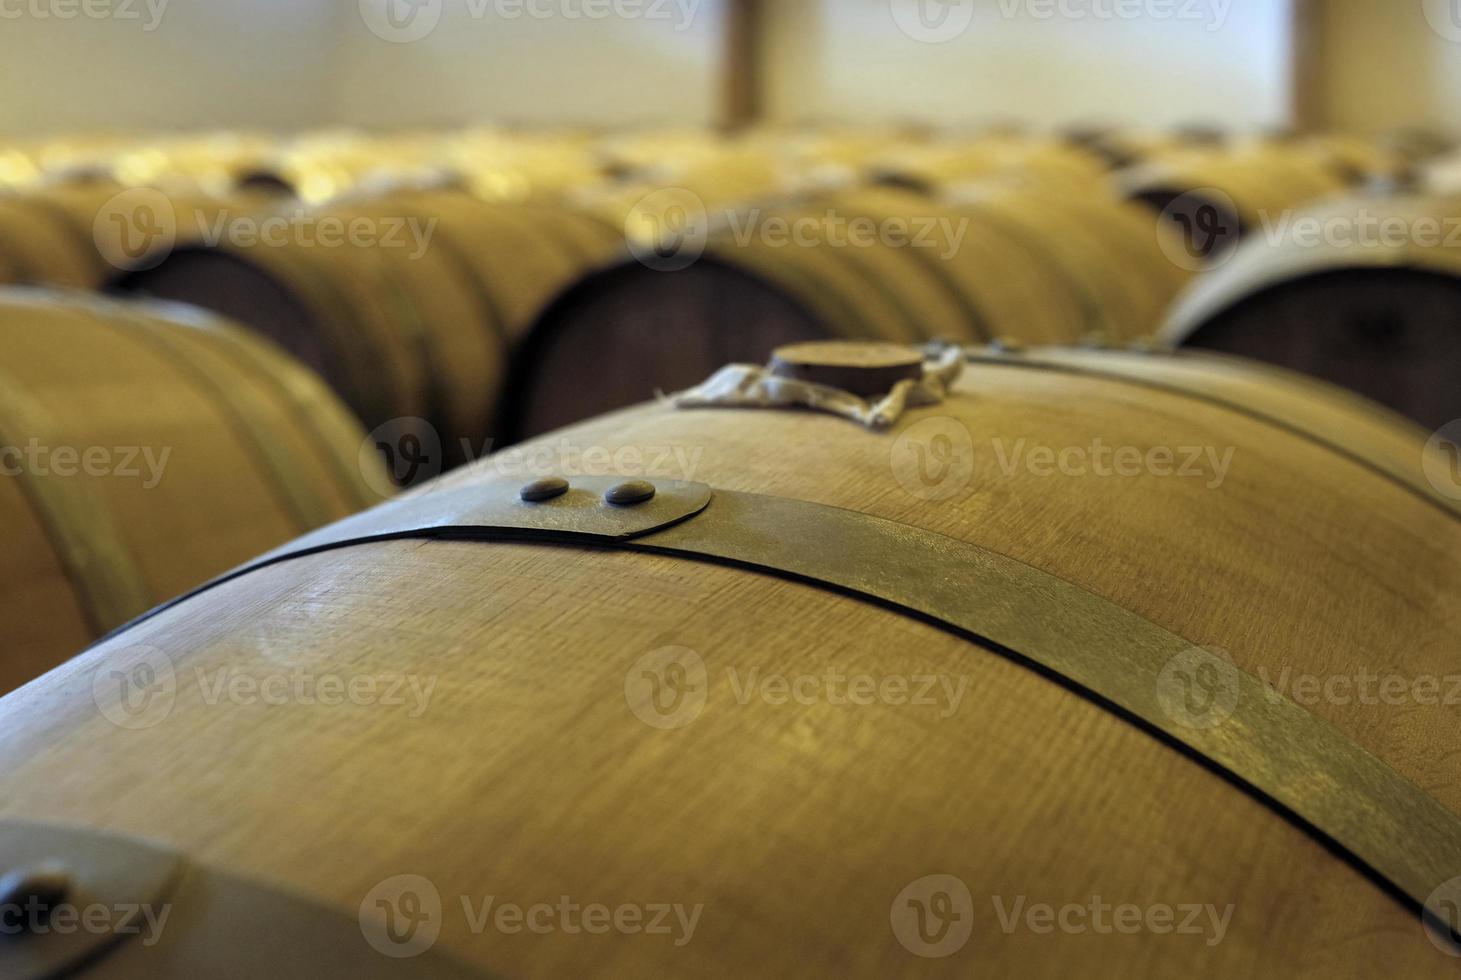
(145, 448)
(498, 270)
(306, 324)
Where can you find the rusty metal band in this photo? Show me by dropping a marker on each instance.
(1057, 360)
(170, 918)
(1280, 753)
(88, 546)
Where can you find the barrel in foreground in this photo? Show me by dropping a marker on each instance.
(147, 448)
(1021, 686)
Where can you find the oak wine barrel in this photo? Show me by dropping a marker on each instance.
(82, 234)
(829, 700)
(1215, 199)
(147, 448)
(1017, 265)
(415, 325)
(1362, 292)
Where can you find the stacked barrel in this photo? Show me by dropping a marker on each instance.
(986, 590)
(483, 286)
(147, 448)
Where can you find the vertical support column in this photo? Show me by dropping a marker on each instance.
(743, 63)
(1308, 110)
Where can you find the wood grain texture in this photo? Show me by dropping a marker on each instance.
(1213, 198)
(419, 329)
(39, 249)
(204, 448)
(526, 776)
(1372, 304)
(1027, 265)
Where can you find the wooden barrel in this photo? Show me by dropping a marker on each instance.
(1216, 198)
(414, 324)
(82, 234)
(1363, 292)
(45, 240)
(147, 449)
(832, 701)
(929, 167)
(1004, 265)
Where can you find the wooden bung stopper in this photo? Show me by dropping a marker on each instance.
(864, 369)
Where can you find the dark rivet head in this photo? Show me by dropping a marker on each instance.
(629, 493)
(29, 895)
(544, 489)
